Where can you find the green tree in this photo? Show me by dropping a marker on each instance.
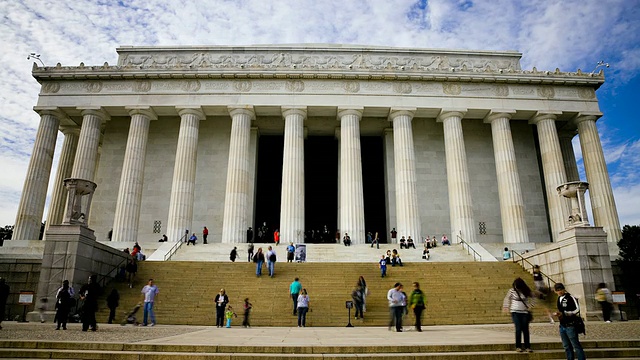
(629, 245)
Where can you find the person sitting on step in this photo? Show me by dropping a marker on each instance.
(395, 258)
(192, 239)
(410, 243)
(403, 243)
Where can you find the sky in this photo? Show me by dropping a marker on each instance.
(564, 34)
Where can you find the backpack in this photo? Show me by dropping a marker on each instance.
(420, 295)
(272, 257)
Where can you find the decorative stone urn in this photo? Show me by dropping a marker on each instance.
(79, 201)
(575, 191)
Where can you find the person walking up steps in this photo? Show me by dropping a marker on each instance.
(271, 261)
(294, 290)
(303, 308)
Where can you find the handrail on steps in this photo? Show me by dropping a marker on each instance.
(174, 248)
(469, 248)
(522, 263)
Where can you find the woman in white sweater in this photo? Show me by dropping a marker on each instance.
(518, 302)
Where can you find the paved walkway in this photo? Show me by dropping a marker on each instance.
(323, 336)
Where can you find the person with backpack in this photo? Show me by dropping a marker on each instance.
(63, 305)
(417, 302)
(605, 299)
(271, 261)
(570, 321)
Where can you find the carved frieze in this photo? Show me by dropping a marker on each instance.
(295, 86)
(586, 93)
(50, 87)
(451, 88)
(546, 92)
(402, 87)
(142, 86)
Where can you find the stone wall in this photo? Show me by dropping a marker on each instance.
(19, 274)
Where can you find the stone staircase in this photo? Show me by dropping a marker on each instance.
(457, 293)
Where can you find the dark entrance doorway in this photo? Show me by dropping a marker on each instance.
(269, 185)
(321, 188)
(375, 217)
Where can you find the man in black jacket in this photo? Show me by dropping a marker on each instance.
(89, 293)
(569, 315)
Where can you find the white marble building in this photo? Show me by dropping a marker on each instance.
(472, 144)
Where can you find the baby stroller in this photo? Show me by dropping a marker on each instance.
(130, 318)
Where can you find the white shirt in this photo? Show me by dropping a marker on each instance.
(149, 292)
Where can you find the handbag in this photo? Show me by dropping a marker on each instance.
(529, 313)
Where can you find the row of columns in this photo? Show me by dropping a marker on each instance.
(82, 147)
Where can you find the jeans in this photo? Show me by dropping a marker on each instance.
(259, 267)
(302, 316)
(294, 297)
(383, 271)
(396, 313)
(271, 266)
(571, 343)
(359, 309)
(522, 328)
(148, 311)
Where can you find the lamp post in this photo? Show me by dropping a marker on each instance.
(35, 57)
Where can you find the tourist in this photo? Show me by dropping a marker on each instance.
(229, 314)
(63, 305)
(425, 252)
(149, 293)
(249, 235)
(569, 315)
(42, 308)
(369, 238)
(132, 269)
(205, 233)
(291, 251)
(403, 243)
(396, 306)
(358, 302)
(346, 239)
(192, 239)
(250, 251)
(263, 231)
(394, 235)
(395, 258)
(603, 296)
(258, 258)
(234, 254)
(365, 292)
(247, 311)
(89, 293)
(434, 242)
(110, 235)
(163, 238)
(303, 308)
(271, 261)
(338, 236)
(276, 237)
(445, 240)
(506, 255)
(221, 301)
(388, 257)
(294, 290)
(382, 264)
(376, 241)
(417, 302)
(137, 252)
(518, 302)
(410, 243)
(113, 301)
(542, 292)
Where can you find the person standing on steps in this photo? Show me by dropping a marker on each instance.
(221, 301)
(417, 302)
(294, 291)
(249, 235)
(291, 251)
(89, 294)
(149, 294)
(271, 261)
(250, 251)
(397, 301)
(205, 233)
(247, 311)
(63, 305)
(568, 313)
(356, 296)
(362, 284)
(303, 308)
(382, 264)
(519, 301)
(394, 235)
(604, 298)
(234, 254)
(113, 300)
(258, 258)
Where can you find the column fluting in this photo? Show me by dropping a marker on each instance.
(235, 221)
(180, 216)
(553, 169)
(127, 215)
(407, 213)
(603, 203)
(351, 192)
(84, 165)
(569, 157)
(292, 209)
(514, 224)
(460, 202)
(34, 192)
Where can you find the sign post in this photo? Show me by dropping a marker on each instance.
(349, 305)
(620, 299)
(25, 298)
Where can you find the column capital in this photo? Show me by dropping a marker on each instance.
(354, 110)
(294, 110)
(567, 134)
(498, 114)
(197, 111)
(544, 115)
(586, 116)
(447, 113)
(50, 110)
(399, 111)
(67, 129)
(242, 110)
(142, 110)
(96, 111)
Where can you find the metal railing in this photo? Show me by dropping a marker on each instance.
(476, 255)
(174, 248)
(103, 280)
(522, 262)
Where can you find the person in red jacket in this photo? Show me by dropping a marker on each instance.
(205, 233)
(276, 237)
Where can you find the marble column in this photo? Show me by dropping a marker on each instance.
(292, 198)
(514, 224)
(460, 203)
(351, 192)
(34, 192)
(603, 204)
(569, 157)
(553, 169)
(65, 165)
(84, 165)
(127, 215)
(389, 183)
(235, 223)
(184, 174)
(407, 213)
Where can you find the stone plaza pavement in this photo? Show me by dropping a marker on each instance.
(310, 336)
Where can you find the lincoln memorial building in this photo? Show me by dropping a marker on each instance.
(357, 139)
